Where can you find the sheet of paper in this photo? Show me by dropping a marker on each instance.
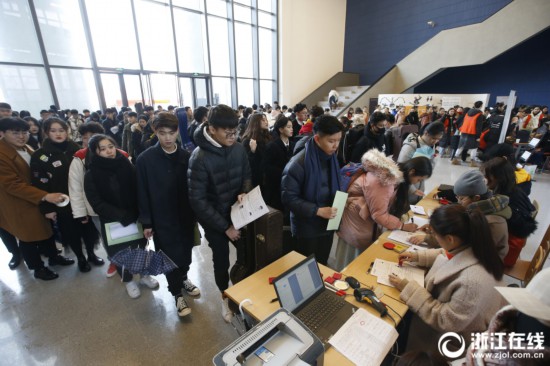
(418, 210)
(382, 269)
(364, 339)
(420, 221)
(250, 209)
(401, 236)
(118, 231)
(340, 203)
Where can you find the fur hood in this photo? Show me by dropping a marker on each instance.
(135, 127)
(383, 167)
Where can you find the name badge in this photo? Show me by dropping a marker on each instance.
(57, 164)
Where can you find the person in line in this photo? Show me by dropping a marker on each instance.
(200, 117)
(470, 131)
(137, 135)
(277, 154)
(459, 294)
(35, 130)
(526, 316)
(50, 173)
(472, 192)
(377, 197)
(301, 112)
(111, 188)
(127, 141)
(501, 180)
(373, 137)
(448, 119)
(164, 209)
(255, 139)
(19, 213)
(218, 175)
(309, 184)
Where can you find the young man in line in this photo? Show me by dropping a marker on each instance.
(309, 184)
(164, 209)
(219, 174)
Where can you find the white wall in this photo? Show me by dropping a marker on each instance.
(311, 45)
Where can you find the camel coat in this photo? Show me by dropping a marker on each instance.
(19, 200)
(459, 295)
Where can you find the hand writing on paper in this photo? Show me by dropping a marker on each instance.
(327, 212)
(408, 256)
(395, 280)
(410, 227)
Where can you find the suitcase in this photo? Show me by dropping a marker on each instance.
(268, 238)
(244, 265)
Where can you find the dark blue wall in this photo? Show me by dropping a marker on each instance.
(524, 68)
(379, 33)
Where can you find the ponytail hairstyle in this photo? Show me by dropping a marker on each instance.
(422, 168)
(500, 174)
(472, 228)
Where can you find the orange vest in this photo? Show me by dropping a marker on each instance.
(469, 124)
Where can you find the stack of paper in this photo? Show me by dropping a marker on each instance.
(382, 270)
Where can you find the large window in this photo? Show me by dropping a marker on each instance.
(94, 54)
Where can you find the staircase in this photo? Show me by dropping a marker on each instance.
(348, 94)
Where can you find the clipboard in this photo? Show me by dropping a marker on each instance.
(118, 234)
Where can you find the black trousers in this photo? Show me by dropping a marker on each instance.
(31, 251)
(320, 246)
(73, 231)
(182, 258)
(219, 243)
(9, 241)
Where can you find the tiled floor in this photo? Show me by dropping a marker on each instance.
(87, 319)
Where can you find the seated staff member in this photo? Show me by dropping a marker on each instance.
(523, 178)
(501, 180)
(472, 192)
(309, 184)
(370, 200)
(19, 213)
(459, 294)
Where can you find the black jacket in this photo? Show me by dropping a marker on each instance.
(275, 159)
(164, 200)
(495, 126)
(216, 176)
(50, 171)
(256, 161)
(108, 124)
(303, 214)
(367, 142)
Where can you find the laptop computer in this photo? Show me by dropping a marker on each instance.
(301, 291)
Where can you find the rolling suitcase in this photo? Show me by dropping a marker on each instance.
(268, 234)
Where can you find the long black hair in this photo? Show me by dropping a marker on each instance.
(422, 168)
(93, 145)
(472, 228)
(501, 172)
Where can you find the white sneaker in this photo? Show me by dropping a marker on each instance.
(132, 289)
(149, 282)
(190, 288)
(181, 305)
(226, 313)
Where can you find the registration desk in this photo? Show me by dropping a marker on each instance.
(257, 289)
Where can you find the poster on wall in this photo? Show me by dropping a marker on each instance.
(425, 100)
(450, 102)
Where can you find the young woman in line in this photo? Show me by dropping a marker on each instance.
(50, 172)
(458, 293)
(378, 197)
(111, 188)
(35, 137)
(255, 139)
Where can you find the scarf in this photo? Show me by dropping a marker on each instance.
(313, 170)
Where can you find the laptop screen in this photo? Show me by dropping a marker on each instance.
(298, 284)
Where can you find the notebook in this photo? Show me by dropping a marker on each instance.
(301, 291)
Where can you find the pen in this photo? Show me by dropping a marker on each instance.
(273, 300)
(412, 220)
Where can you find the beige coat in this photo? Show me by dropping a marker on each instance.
(459, 295)
(19, 213)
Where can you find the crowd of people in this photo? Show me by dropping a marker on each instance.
(67, 175)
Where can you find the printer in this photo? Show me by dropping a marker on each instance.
(279, 340)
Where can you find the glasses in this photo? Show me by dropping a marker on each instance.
(20, 133)
(230, 133)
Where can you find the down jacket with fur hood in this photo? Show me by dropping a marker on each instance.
(369, 200)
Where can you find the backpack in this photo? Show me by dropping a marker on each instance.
(349, 173)
(351, 138)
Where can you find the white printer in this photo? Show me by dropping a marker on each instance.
(279, 340)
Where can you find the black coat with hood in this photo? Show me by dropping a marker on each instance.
(216, 176)
(369, 141)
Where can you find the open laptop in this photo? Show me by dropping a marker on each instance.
(301, 291)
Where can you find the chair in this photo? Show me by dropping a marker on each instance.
(537, 207)
(524, 271)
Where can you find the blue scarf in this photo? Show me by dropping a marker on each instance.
(313, 170)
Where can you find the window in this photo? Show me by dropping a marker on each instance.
(133, 89)
(266, 91)
(221, 90)
(266, 20)
(75, 89)
(111, 89)
(25, 87)
(192, 56)
(243, 50)
(190, 4)
(113, 33)
(201, 92)
(219, 46)
(265, 5)
(217, 7)
(245, 90)
(22, 44)
(266, 47)
(61, 26)
(186, 88)
(242, 13)
(164, 90)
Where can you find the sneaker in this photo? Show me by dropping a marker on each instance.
(181, 305)
(149, 282)
(190, 288)
(226, 313)
(473, 164)
(111, 270)
(455, 161)
(132, 289)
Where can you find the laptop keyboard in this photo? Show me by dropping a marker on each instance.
(320, 309)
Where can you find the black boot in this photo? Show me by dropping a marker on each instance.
(15, 260)
(92, 258)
